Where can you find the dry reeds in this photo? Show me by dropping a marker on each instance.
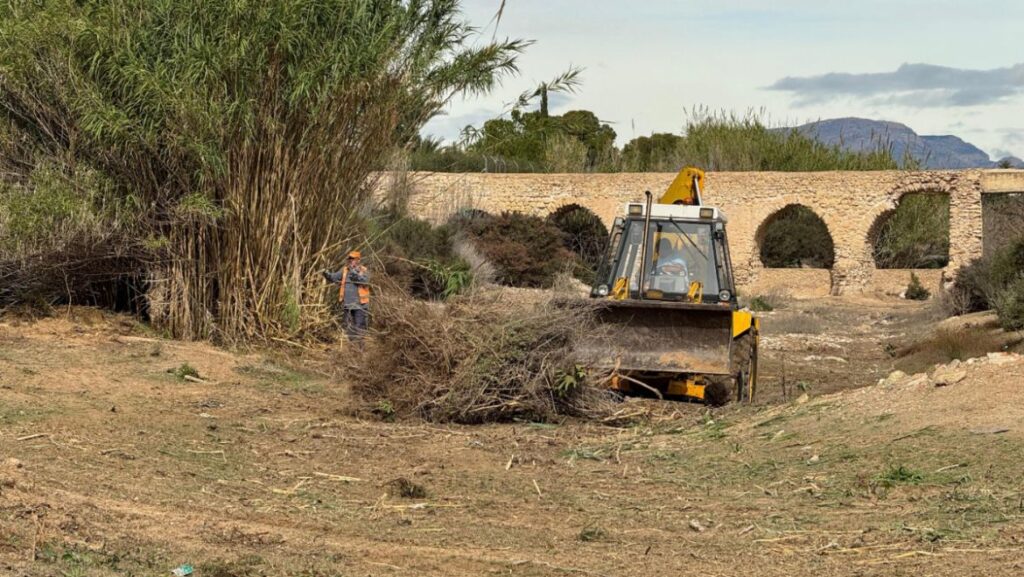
(478, 359)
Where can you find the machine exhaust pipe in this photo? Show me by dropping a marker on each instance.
(649, 201)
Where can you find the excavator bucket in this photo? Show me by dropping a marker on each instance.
(660, 337)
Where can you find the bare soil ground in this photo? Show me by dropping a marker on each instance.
(111, 465)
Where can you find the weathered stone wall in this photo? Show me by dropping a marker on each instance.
(848, 202)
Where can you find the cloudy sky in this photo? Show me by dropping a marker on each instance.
(939, 66)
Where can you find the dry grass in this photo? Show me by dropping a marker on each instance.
(796, 323)
(243, 477)
(766, 301)
(947, 344)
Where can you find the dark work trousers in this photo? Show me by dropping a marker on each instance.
(355, 321)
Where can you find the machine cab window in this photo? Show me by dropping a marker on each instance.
(684, 259)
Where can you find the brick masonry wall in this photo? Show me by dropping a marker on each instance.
(848, 202)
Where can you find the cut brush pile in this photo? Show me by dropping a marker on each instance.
(478, 359)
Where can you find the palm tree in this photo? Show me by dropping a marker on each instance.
(566, 82)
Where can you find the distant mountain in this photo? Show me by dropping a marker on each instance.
(945, 151)
(1010, 162)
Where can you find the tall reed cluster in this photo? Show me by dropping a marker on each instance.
(245, 134)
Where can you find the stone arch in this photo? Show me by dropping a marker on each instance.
(794, 236)
(914, 233)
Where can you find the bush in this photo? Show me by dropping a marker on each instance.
(796, 237)
(1009, 306)
(761, 304)
(477, 359)
(1007, 265)
(916, 290)
(991, 283)
(915, 235)
(972, 289)
(585, 235)
(421, 258)
(526, 251)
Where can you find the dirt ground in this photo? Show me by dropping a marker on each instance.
(112, 465)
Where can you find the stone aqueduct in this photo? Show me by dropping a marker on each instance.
(850, 203)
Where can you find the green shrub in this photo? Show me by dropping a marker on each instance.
(972, 289)
(987, 283)
(526, 251)
(796, 237)
(916, 290)
(439, 280)
(1009, 306)
(760, 304)
(420, 257)
(184, 371)
(916, 234)
(585, 235)
(1007, 265)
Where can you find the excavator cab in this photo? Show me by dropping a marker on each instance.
(687, 257)
(669, 322)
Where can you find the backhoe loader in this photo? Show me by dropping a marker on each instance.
(669, 323)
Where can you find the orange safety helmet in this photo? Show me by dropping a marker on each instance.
(355, 254)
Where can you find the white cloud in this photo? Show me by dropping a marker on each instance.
(911, 85)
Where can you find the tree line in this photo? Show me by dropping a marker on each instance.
(578, 141)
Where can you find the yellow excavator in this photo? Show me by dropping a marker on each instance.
(669, 323)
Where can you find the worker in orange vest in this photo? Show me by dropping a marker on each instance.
(353, 294)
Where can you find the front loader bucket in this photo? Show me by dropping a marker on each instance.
(662, 337)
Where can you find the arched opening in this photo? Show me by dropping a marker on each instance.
(913, 235)
(795, 237)
(464, 217)
(585, 235)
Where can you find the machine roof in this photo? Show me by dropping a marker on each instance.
(679, 211)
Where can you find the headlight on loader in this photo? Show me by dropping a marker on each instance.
(602, 291)
(724, 296)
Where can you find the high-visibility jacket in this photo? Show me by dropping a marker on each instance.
(363, 289)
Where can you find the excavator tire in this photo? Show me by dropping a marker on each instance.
(717, 392)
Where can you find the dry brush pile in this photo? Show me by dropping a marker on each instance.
(478, 358)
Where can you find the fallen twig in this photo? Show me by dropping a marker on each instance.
(218, 452)
(35, 436)
(644, 385)
(341, 478)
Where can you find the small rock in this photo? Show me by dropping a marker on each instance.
(14, 463)
(1001, 358)
(696, 526)
(802, 399)
(918, 380)
(893, 378)
(814, 459)
(949, 377)
(953, 364)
